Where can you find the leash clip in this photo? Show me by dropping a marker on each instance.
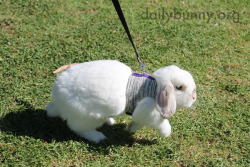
(142, 67)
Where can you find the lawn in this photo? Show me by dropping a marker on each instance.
(208, 38)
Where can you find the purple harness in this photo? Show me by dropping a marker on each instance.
(142, 75)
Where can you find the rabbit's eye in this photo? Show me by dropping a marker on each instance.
(179, 87)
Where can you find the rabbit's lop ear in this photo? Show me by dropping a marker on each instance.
(166, 101)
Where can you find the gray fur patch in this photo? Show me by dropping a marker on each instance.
(139, 87)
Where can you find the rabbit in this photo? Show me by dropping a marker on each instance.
(89, 94)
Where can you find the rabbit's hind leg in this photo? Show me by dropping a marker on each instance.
(86, 128)
(92, 135)
(51, 110)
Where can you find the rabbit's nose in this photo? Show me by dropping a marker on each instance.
(194, 97)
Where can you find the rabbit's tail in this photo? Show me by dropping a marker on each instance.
(51, 110)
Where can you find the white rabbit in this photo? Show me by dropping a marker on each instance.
(89, 94)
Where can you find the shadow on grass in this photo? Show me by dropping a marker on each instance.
(35, 123)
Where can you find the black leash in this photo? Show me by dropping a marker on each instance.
(121, 16)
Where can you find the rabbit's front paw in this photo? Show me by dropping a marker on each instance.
(165, 129)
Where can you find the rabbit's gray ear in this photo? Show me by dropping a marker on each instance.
(166, 101)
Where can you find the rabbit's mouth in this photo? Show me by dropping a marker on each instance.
(186, 104)
(192, 102)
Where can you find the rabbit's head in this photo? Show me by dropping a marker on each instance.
(176, 89)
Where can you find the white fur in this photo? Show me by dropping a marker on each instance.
(178, 77)
(110, 121)
(89, 94)
(146, 114)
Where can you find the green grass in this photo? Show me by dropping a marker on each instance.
(39, 36)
